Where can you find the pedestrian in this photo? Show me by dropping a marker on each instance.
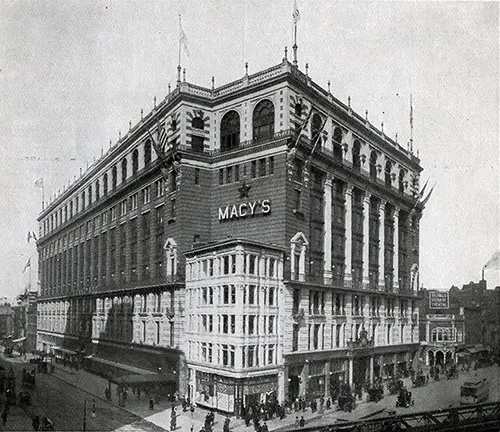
(35, 423)
(151, 404)
(264, 428)
(297, 421)
(302, 422)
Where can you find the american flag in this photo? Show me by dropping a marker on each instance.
(296, 13)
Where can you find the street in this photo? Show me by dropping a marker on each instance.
(437, 394)
(64, 404)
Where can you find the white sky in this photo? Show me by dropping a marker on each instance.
(73, 73)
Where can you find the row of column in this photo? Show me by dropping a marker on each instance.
(100, 260)
(366, 243)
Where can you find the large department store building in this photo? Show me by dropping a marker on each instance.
(273, 249)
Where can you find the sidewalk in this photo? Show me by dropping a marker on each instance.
(95, 386)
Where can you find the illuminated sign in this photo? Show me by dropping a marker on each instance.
(439, 300)
(243, 210)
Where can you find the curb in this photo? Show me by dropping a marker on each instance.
(104, 400)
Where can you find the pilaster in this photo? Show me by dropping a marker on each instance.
(327, 275)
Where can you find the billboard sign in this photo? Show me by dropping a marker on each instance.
(439, 300)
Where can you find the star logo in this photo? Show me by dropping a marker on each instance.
(244, 189)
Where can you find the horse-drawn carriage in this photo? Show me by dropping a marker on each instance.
(375, 393)
(346, 400)
(404, 399)
(395, 386)
(419, 380)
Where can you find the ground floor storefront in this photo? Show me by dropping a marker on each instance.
(321, 374)
(229, 393)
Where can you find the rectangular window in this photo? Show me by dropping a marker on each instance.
(133, 202)
(226, 265)
(236, 173)
(270, 324)
(233, 294)
(251, 294)
(272, 291)
(146, 195)
(113, 213)
(229, 174)
(271, 165)
(123, 208)
(297, 199)
(262, 167)
(253, 169)
(221, 176)
(295, 338)
(160, 187)
(225, 289)
(251, 324)
(196, 176)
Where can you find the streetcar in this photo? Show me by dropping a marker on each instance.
(473, 392)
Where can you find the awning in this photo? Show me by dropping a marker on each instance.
(21, 339)
(64, 350)
(144, 379)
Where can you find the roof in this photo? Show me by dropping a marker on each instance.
(231, 242)
(144, 379)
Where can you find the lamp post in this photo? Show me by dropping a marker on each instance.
(85, 412)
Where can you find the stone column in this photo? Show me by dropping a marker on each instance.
(327, 272)
(395, 285)
(327, 379)
(304, 381)
(351, 366)
(348, 236)
(381, 248)
(366, 240)
(371, 370)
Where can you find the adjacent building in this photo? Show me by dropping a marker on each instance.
(251, 239)
(442, 329)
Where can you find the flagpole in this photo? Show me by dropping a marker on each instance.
(411, 123)
(179, 65)
(295, 63)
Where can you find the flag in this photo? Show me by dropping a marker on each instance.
(424, 201)
(28, 264)
(32, 235)
(162, 137)
(302, 127)
(296, 13)
(494, 262)
(159, 152)
(39, 183)
(183, 41)
(421, 194)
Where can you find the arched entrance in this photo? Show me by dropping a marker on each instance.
(449, 357)
(430, 356)
(439, 358)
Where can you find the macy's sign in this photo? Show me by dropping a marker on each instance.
(239, 211)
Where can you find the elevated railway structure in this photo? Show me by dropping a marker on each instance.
(483, 417)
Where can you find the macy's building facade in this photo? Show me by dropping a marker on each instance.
(273, 249)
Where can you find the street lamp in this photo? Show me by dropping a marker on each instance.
(85, 412)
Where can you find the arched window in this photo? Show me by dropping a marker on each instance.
(373, 164)
(135, 161)
(97, 190)
(337, 143)
(173, 124)
(434, 335)
(147, 153)
(197, 123)
(356, 155)
(124, 170)
(114, 177)
(105, 184)
(316, 126)
(388, 173)
(230, 131)
(401, 180)
(263, 120)
(90, 194)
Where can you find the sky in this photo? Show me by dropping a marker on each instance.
(74, 73)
